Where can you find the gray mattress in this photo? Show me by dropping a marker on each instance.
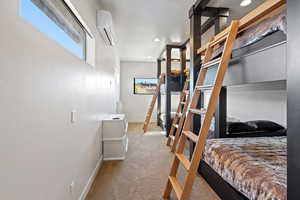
(254, 38)
(258, 56)
(262, 61)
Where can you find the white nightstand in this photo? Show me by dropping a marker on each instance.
(114, 135)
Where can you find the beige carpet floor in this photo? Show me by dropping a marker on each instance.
(143, 175)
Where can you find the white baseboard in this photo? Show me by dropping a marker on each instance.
(91, 180)
(139, 121)
(117, 158)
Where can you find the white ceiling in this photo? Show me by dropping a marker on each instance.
(236, 11)
(138, 22)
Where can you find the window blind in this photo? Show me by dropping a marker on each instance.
(58, 12)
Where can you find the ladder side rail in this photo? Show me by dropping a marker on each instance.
(187, 126)
(176, 118)
(179, 110)
(152, 103)
(203, 133)
(181, 123)
(196, 94)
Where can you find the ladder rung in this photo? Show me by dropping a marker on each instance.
(218, 41)
(185, 162)
(172, 137)
(179, 114)
(175, 125)
(212, 44)
(183, 102)
(198, 111)
(191, 135)
(176, 186)
(204, 87)
(211, 63)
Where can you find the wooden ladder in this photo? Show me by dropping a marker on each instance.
(178, 121)
(153, 100)
(183, 193)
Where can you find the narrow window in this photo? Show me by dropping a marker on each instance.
(144, 85)
(55, 19)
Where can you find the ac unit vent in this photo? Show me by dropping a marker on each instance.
(105, 27)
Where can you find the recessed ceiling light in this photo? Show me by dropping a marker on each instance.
(156, 40)
(246, 3)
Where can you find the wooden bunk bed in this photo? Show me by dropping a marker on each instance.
(261, 61)
(174, 81)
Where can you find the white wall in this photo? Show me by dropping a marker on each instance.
(41, 152)
(259, 101)
(265, 101)
(135, 106)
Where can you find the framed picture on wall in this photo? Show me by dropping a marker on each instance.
(144, 86)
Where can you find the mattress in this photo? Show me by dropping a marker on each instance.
(256, 167)
(277, 23)
(177, 72)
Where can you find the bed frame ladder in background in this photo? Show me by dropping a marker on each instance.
(183, 193)
(152, 103)
(178, 121)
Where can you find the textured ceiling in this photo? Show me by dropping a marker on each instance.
(138, 22)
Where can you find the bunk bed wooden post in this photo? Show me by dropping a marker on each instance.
(293, 96)
(220, 115)
(159, 94)
(217, 25)
(168, 89)
(182, 65)
(221, 111)
(195, 43)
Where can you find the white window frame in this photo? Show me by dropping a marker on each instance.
(90, 50)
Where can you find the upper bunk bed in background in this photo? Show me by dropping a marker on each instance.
(174, 80)
(173, 62)
(260, 50)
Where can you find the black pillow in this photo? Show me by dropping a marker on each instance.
(265, 125)
(281, 132)
(239, 127)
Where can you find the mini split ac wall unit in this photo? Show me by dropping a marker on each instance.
(105, 27)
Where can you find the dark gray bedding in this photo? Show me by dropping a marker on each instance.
(259, 32)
